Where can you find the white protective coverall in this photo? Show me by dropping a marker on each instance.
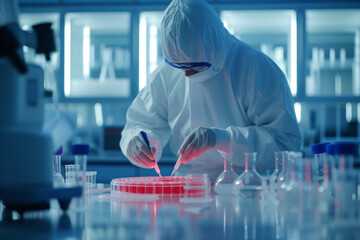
(243, 92)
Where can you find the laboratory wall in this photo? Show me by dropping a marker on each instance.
(107, 49)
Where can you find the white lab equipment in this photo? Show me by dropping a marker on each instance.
(57, 176)
(22, 102)
(249, 184)
(223, 184)
(169, 110)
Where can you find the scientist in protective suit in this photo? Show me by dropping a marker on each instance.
(212, 92)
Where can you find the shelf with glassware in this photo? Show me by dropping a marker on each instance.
(108, 76)
(333, 78)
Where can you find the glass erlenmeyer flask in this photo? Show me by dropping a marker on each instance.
(223, 184)
(273, 182)
(249, 184)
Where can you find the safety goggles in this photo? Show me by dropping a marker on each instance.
(198, 65)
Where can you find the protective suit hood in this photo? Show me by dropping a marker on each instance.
(191, 31)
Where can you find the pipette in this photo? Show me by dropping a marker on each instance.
(178, 162)
(156, 167)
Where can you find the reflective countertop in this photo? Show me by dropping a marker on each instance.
(152, 217)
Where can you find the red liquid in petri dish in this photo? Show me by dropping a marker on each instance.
(165, 186)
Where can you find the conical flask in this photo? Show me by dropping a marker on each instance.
(280, 157)
(249, 184)
(223, 184)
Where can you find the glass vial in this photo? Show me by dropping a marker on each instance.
(249, 184)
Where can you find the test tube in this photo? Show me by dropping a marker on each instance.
(80, 152)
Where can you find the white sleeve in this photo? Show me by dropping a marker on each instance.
(270, 111)
(148, 113)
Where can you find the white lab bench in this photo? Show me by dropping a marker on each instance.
(226, 217)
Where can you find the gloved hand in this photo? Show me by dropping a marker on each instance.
(202, 139)
(139, 152)
(196, 143)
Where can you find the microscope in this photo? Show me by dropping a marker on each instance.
(26, 181)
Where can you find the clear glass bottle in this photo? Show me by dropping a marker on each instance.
(273, 182)
(223, 184)
(287, 178)
(321, 174)
(306, 195)
(319, 152)
(344, 180)
(282, 177)
(249, 184)
(80, 152)
(57, 177)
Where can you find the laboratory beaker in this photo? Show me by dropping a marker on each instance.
(223, 184)
(70, 172)
(57, 177)
(249, 184)
(91, 180)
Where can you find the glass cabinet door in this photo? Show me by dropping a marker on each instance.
(333, 52)
(150, 53)
(97, 55)
(271, 31)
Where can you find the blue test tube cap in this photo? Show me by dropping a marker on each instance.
(330, 149)
(345, 148)
(80, 149)
(319, 148)
(59, 151)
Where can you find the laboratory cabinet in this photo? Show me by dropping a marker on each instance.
(97, 54)
(333, 52)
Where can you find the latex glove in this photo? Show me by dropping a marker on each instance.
(139, 152)
(196, 143)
